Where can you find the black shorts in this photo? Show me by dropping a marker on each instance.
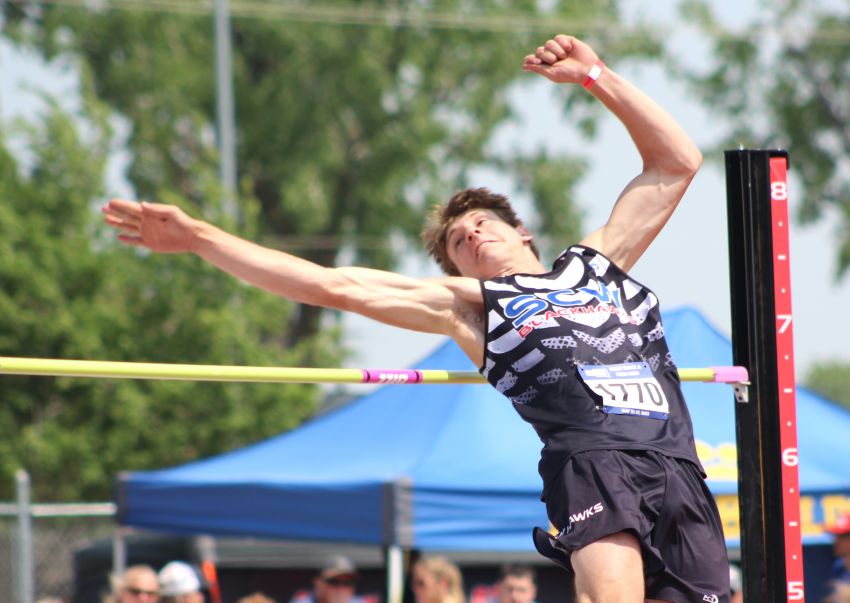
(663, 501)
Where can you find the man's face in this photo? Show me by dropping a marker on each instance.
(195, 597)
(334, 589)
(426, 587)
(841, 547)
(139, 587)
(482, 245)
(517, 589)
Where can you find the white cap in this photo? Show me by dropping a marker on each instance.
(338, 565)
(735, 579)
(178, 578)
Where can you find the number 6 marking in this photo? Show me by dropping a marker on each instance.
(789, 457)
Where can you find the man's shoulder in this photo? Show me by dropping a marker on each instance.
(840, 571)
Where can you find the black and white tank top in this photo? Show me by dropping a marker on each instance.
(580, 351)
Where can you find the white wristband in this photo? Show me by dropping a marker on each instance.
(593, 74)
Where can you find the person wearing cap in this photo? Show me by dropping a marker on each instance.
(335, 582)
(179, 583)
(736, 584)
(840, 531)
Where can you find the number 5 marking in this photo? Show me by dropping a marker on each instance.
(795, 591)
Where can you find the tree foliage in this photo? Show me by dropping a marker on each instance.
(345, 133)
(831, 380)
(781, 81)
(67, 292)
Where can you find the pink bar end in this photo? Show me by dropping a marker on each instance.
(730, 374)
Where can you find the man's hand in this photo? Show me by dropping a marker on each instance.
(563, 59)
(160, 228)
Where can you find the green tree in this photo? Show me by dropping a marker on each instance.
(781, 82)
(831, 380)
(67, 292)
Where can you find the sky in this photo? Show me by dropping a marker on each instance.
(686, 265)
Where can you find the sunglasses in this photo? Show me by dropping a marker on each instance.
(340, 581)
(138, 592)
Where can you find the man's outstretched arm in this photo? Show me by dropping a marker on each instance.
(670, 158)
(447, 306)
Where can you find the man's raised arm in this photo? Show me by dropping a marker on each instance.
(670, 158)
(434, 306)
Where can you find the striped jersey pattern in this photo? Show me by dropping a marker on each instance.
(585, 312)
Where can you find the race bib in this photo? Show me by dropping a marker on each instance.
(626, 389)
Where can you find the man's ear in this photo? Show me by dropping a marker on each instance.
(527, 237)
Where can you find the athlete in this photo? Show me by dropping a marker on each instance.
(579, 349)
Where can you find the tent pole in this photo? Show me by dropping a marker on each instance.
(395, 574)
(119, 550)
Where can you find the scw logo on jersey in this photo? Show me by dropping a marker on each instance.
(523, 308)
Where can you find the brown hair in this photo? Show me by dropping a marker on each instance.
(256, 597)
(446, 572)
(442, 217)
(517, 570)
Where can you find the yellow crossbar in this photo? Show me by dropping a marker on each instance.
(102, 369)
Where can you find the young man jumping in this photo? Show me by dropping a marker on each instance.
(579, 349)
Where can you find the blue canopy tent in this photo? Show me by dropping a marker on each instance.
(449, 467)
(433, 466)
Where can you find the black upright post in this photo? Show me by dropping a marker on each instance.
(754, 291)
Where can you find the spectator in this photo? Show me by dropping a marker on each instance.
(137, 584)
(335, 583)
(179, 583)
(736, 584)
(840, 593)
(840, 531)
(437, 580)
(517, 584)
(256, 598)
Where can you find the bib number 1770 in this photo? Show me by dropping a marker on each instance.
(626, 389)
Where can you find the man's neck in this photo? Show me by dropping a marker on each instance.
(530, 266)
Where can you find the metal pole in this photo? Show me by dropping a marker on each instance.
(119, 551)
(395, 574)
(225, 106)
(26, 574)
(768, 492)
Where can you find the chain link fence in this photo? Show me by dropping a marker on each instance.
(38, 542)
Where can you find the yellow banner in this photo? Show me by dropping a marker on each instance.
(816, 512)
(721, 464)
